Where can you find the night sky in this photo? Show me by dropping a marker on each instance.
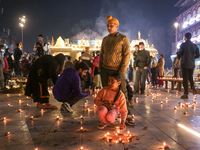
(68, 17)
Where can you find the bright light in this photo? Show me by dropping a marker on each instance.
(21, 24)
(190, 130)
(23, 20)
(176, 24)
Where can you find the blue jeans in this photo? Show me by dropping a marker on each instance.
(141, 75)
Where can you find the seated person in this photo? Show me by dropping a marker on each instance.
(68, 86)
(86, 82)
(110, 102)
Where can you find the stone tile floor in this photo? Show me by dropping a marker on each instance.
(64, 134)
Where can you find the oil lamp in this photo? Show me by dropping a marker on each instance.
(4, 118)
(166, 146)
(7, 133)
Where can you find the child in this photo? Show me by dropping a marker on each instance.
(154, 72)
(110, 102)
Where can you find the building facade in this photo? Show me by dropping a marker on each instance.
(75, 45)
(189, 21)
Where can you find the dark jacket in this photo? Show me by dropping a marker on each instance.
(17, 54)
(143, 59)
(44, 68)
(134, 58)
(154, 72)
(10, 61)
(187, 53)
(68, 85)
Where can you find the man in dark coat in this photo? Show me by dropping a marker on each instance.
(17, 57)
(142, 62)
(188, 52)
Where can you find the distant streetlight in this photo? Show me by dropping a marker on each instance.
(22, 22)
(176, 26)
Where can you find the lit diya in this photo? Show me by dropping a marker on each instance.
(119, 138)
(7, 133)
(166, 146)
(4, 118)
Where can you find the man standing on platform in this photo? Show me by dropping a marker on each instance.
(187, 53)
(115, 57)
(17, 57)
(142, 62)
(40, 47)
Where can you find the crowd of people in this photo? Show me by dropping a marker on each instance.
(145, 68)
(110, 68)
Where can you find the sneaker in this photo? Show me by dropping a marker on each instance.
(194, 91)
(185, 96)
(130, 122)
(114, 124)
(66, 107)
(101, 125)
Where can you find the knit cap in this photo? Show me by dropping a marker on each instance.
(112, 20)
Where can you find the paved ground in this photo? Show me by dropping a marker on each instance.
(64, 134)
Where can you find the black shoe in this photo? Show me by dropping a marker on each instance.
(142, 92)
(194, 91)
(130, 122)
(185, 96)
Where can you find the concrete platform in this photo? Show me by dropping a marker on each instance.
(63, 134)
